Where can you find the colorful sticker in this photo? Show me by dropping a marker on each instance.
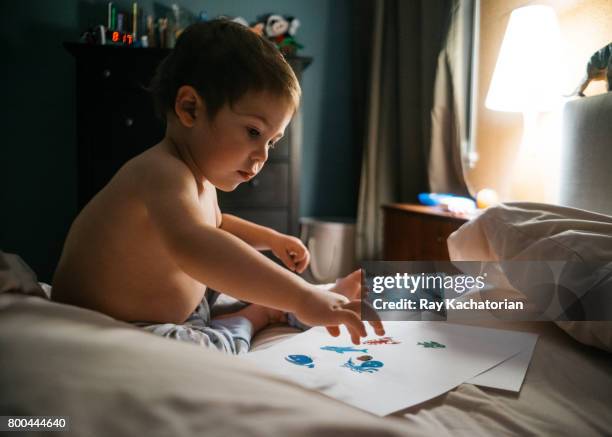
(366, 367)
(300, 360)
(431, 344)
(343, 349)
(381, 340)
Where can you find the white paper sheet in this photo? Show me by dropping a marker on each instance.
(508, 375)
(410, 373)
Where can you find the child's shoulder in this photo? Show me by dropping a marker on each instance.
(158, 167)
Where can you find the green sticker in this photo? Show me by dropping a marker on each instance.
(432, 344)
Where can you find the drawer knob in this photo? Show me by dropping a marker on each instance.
(254, 183)
(129, 122)
(106, 73)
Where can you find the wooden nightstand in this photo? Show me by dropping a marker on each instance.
(417, 232)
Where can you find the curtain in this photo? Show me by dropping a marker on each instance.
(406, 39)
(450, 116)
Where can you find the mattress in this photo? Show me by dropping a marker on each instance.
(111, 378)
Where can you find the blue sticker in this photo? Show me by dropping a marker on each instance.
(300, 360)
(365, 367)
(342, 349)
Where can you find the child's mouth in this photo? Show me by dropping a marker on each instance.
(245, 175)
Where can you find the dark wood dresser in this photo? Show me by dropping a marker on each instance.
(116, 121)
(417, 232)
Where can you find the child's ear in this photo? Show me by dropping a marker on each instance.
(186, 105)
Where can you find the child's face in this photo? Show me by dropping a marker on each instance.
(233, 147)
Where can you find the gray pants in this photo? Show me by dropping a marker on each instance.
(231, 335)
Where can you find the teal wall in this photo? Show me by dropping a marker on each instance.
(38, 150)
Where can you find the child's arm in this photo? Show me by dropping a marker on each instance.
(224, 262)
(255, 235)
(288, 249)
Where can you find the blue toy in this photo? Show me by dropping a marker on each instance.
(434, 199)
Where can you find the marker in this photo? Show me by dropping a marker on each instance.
(120, 20)
(135, 20)
(112, 16)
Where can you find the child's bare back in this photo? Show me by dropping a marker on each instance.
(115, 260)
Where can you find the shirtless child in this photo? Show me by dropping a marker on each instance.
(145, 245)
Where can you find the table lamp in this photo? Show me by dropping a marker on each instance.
(526, 78)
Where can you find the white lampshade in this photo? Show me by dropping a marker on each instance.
(527, 73)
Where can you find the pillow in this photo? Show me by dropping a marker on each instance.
(17, 277)
(533, 231)
(597, 334)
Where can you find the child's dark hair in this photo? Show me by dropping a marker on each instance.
(222, 60)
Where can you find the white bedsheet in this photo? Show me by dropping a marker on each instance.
(567, 392)
(114, 379)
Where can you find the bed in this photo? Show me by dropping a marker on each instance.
(112, 379)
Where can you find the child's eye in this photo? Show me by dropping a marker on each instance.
(254, 133)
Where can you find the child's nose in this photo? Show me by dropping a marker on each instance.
(261, 153)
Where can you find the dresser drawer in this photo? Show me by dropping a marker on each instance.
(268, 189)
(133, 125)
(121, 69)
(124, 126)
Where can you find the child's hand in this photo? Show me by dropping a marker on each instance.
(323, 308)
(349, 286)
(291, 252)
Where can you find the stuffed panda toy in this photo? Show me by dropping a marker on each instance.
(281, 30)
(277, 26)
